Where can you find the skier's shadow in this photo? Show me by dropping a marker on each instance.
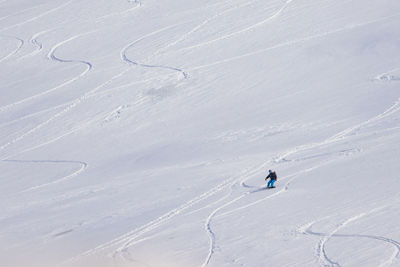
(259, 189)
(255, 188)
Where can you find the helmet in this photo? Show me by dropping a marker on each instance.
(269, 171)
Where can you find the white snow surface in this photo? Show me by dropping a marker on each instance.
(139, 133)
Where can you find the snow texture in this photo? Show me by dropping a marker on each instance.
(139, 133)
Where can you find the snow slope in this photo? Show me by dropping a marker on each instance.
(139, 133)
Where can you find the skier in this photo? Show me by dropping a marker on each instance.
(272, 176)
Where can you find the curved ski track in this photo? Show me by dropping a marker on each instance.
(75, 173)
(341, 135)
(67, 106)
(282, 158)
(38, 45)
(20, 45)
(125, 58)
(52, 56)
(251, 27)
(129, 238)
(84, 165)
(199, 26)
(321, 248)
(130, 241)
(213, 214)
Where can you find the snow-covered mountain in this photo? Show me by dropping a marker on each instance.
(139, 133)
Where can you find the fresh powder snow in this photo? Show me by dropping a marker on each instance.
(139, 133)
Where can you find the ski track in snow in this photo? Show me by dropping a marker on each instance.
(83, 166)
(19, 12)
(121, 13)
(207, 225)
(37, 16)
(94, 93)
(183, 37)
(213, 203)
(123, 54)
(131, 238)
(249, 28)
(294, 42)
(388, 77)
(199, 26)
(31, 115)
(322, 255)
(20, 45)
(206, 21)
(341, 135)
(67, 107)
(34, 41)
(282, 158)
(286, 186)
(89, 67)
(52, 56)
(39, 47)
(128, 238)
(125, 58)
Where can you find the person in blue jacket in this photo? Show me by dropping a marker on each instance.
(272, 176)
